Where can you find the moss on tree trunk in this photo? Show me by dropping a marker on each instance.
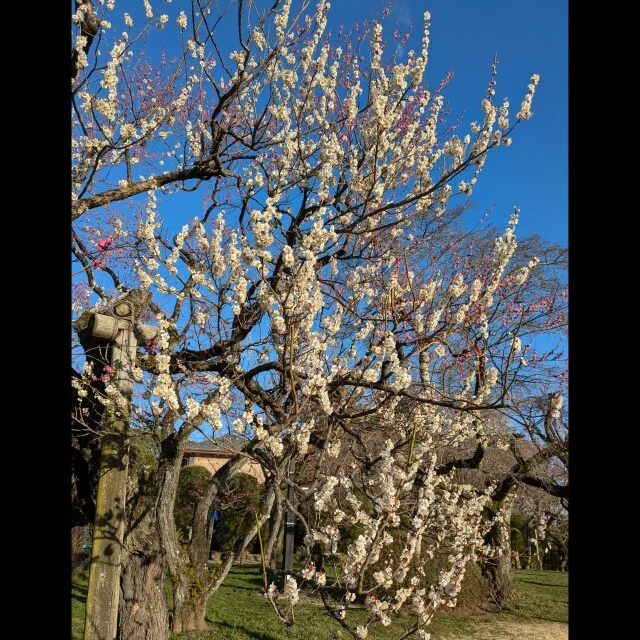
(190, 610)
(143, 591)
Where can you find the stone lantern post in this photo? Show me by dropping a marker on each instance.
(119, 331)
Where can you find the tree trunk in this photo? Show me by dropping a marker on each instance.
(143, 593)
(497, 570)
(190, 609)
(191, 597)
(192, 584)
(143, 608)
(500, 578)
(211, 527)
(190, 587)
(191, 604)
(276, 556)
(274, 531)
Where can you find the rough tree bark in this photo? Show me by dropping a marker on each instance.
(190, 608)
(497, 570)
(277, 550)
(275, 531)
(142, 610)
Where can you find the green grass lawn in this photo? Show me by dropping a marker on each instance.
(541, 595)
(238, 611)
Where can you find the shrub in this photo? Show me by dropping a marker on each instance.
(80, 538)
(191, 485)
(238, 503)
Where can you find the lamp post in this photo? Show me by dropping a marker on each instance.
(289, 527)
(117, 329)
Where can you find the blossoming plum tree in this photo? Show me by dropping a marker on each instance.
(314, 285)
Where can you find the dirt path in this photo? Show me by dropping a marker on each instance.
(516, 630)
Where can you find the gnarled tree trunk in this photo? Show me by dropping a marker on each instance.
(142, 612)
(190, 609)
(143, 608)
(275, 531)
(497, 570)
(191, 596)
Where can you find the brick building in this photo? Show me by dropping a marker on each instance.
(212, 454)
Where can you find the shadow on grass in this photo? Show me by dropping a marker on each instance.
(257, 589)
(79, 593)
(248, 632)
(520, 611)
(546, 584)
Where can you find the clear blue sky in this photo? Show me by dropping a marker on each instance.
(529, 37)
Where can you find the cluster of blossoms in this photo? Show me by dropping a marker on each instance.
(447, 518)
(556, 406)
(291, 591)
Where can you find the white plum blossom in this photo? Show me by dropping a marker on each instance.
(291, 591)
(556, 405)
